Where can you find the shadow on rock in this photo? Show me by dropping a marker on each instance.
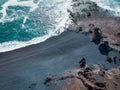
(104, 48)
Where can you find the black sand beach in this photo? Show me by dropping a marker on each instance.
(20, 68)
(27, 68)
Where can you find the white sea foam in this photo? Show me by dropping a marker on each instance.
(111, 5)
(60, 27)
(8, 46)
(32, 9)
(29, 3)
(64, 21)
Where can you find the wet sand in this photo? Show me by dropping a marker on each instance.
(89, 21)
(20, 68)
(27, 68)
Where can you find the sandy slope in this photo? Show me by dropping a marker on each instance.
(22, 67)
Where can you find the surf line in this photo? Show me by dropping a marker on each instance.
(107, 6)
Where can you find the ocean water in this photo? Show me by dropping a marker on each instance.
(26, 22)
(112, 5)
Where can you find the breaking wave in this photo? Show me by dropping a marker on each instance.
(112, 5)
(27, 22)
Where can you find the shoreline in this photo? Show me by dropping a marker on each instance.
(33, 63)
(59, 27)
(96, 13)
(26, 68)
(101, 27)
(107, 23)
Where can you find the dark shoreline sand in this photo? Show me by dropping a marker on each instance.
(107, 36)
(22, 67)
(108, 32)
(26, 68)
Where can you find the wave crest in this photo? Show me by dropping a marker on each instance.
(54, 17)
(112, 5)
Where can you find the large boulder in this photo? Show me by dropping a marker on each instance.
(96, 35)
(104, 47)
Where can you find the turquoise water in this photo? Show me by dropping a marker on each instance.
(36, 25)
(13, 30)
(21, 21)
(26, 22)
(113, 3)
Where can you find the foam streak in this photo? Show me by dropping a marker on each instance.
(30, 4)
(62, 21)
(111, 5)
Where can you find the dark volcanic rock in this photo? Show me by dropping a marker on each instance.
(109, 59)
(104, 47)
(82, 63)
(96, 35)
(49, 79)
(101, 84)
